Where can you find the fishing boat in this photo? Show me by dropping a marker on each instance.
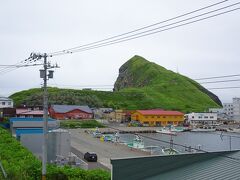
(96, 133)
(166, 131)
(137, 143)
(234, 130)
(177, 129)
(116, 137)
(170, 151)
(204, 129)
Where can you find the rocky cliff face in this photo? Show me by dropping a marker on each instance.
(138, 73)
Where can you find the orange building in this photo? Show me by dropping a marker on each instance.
(158, 117)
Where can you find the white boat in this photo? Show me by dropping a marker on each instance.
(204, 129)
(234, 130)
(170, 151)
(177, 129)
(166, 131)
(137, 143)
(116, 137)
(97, 133)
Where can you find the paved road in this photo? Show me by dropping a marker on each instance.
(84, 142)
(91, 165)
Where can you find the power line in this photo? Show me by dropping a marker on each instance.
(236, 160)
(236, 87)
(209, 82)
(139, 29)
(12, 67)
(216, 77)
(135, 37)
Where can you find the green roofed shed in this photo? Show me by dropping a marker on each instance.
(205, 166)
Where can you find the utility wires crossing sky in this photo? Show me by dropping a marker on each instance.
(115, 39)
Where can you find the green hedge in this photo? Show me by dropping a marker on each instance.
(21, 164)
(80, 124)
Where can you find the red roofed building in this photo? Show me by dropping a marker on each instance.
(70, 112)
(158, 117)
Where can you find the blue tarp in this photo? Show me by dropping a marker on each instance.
(20, 131)
(29, 119)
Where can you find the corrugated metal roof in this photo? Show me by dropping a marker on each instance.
(205, 166)
(159, 112)
(67, 108)
(219, 168)
(28, 112)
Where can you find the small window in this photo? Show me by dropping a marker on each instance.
(152, 116)
(206, 117)
(211, 117)
(164, 116)
(158, 116)
(3, 103)
(192, 117)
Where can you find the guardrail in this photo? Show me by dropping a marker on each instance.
(3, 171)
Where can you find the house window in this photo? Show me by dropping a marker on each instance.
(9, 103)
(158, 116)
(164, 116)
(211, 117)
(152, 116)
(3, 103)
(206, 117)
(192, 117)
(200, 117)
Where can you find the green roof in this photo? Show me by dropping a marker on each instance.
(215, 165)
(219, 168)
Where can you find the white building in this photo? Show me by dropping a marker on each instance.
(6, 102)
(236, 109)
(201, 118)
(228, 109)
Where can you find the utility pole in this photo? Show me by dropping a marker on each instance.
(45, 74)
(45, 119)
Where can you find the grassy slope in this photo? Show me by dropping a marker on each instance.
(152, 87)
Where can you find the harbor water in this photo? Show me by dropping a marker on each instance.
(205, 141)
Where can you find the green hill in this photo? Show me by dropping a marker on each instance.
(140, 85)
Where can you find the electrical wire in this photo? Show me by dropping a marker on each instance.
(24, 63)
(210, 82)
(217, 77)
(135, 36)
(145, 27)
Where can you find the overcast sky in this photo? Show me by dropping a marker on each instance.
(204, 49)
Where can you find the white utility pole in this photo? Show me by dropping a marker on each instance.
(45, 119)
(45, 74)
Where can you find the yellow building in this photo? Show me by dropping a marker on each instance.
(158, 117)
(118, 115)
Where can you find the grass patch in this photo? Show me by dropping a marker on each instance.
(80, 124)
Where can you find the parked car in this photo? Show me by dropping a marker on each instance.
(90, 156)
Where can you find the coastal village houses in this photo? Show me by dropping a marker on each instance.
(6, 102)
(29, 112)
(70, 112)
(158, 117)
